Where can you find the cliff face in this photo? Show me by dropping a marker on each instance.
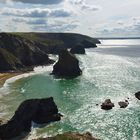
(8, 61)
(67, 65)
(22, 50)
(41, 111)
(52, 43)
(18, 53)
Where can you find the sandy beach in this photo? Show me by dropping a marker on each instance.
(5, 76)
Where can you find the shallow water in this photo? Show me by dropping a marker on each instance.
(110, 71)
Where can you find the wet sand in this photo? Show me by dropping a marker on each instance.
(5, 76)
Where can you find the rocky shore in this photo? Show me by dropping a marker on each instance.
(41, 111)
(70, 136)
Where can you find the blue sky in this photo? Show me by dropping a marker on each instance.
(99, 18)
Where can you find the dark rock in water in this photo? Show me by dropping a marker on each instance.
(137, 95)
(37, 110)
(79, 49)
(67, 65)
(88, 44)
(71, 136)
(107, 105)
(126, 100)
(123, 104)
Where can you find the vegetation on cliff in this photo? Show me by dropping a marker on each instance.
(71, 136)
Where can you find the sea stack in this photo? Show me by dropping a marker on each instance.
(137, 95)
(78, 49)
(67, 65)
(123, 104)
(37, 110)
(107, 105)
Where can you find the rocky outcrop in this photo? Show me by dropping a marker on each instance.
(71, 136)
(8, 61)
(78, 49)
(67, 65)
(88, 44)
(107, 105)
(137, 95)
(17, 53)
(123, 104)
(36, 110)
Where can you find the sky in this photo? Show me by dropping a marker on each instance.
(96, 18)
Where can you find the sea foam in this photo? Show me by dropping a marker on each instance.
(5, 89)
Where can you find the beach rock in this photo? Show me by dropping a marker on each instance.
(67, 65)
(71, 136)
(123, 104)
(79, 49)
(107, 105)
(36, 110)
(137, 95)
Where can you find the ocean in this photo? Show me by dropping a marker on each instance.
(112, 70)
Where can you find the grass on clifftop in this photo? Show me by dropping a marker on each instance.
(71, 136)
(36, 37)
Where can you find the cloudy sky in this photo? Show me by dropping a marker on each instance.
(97, 18)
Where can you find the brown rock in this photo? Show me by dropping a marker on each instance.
(107, 105)
(123, 104)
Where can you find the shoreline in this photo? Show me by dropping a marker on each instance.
(5, 76)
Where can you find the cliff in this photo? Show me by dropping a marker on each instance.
(19, 51)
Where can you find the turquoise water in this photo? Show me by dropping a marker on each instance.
(110, 71)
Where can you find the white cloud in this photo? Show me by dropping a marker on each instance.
(129, 27)
(84, 6)
(96, 17)
(56, 26)
(36, 12)
(35, 1)
(39, 21)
